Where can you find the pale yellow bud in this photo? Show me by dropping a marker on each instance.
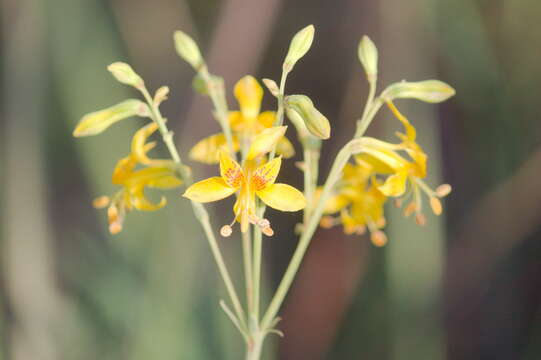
(300, 44)
(161, 95)
(368, 56)
(125, 74)
(188, 49)
(272, 86)
(316, 123)
(432, 91)
(443, 190)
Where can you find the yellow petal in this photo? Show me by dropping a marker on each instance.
(395, 185)
(282, 197)
(410, 130)
(207, 150)
(266, 119)
(236, 121)
(138, 142)
(211, 189)
(97, 122)
(123, 169)
(140, 202)
(285, 148)
(230, 171)
(249, 94)
(265, 141)
(336, 203)
(266, 174)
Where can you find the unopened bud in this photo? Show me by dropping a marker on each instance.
(435, 204)
(100, 202)
(300, 44)
(272, 86)
(161, 95)
(188, 49)
(378, 238)
(226, 231)
(432, 91)
(368, 55)
(125, 74)
(443, 190)
(315, 122)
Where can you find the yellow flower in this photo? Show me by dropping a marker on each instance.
(359, 202)
(256, 178)
(157, 173)
(386, 159)
(245, 125)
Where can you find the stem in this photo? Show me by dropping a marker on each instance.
(254, 347)
(217, 97)
(308, 231)
(247, 255)
(258, 243)
(199, 210)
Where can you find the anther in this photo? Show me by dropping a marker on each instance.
(378, 238)
(327, 222)
(360, 230)
(267, 231)
(443, 190)
(226, 231)
(420, 219)
(435, 203)
(410, 209)
(100, 202)
(115, 227)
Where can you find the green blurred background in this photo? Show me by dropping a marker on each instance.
(468, 286)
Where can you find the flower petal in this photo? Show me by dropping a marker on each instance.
(266, 119)
(207, 150)
(230, 171)
(336, 203)
(282, 197)
(285, 148)
(139, 140)
(395, 185)
(265, 141)
(211, 189)
(266, 174)
(249, 94)
(140, 201)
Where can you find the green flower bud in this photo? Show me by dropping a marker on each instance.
(368, 55)
(272, 86)
(432, 91)
(125, 74)
(300, 44)
(161, 95)
(188, 49)
(315, 122)
(97, 122)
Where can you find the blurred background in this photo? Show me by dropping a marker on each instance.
(467, 286)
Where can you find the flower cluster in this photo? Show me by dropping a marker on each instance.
(383, 170)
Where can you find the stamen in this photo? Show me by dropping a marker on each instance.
(420, 219)
(378, 238)
(115, 227)
(327, 222)
(435, 203)
(360, 230)
(267, 231)
(226, 231)
(397, 203)
(100, 202)
(112, 213)
(410, 209)
(443, 190)
(381, 222)
(263, 223)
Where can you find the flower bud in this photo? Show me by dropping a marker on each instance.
(187, 49)
(161, 95)
(432, 91)
(98, 121)
(125, 74)
(368, 55)
(315, 122)
(271, 85)
(300, 44)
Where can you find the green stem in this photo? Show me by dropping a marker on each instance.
(247, 255)
(254, 347)
(199, 210)
(258, 244)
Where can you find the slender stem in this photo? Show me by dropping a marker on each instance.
(247, 255)
(258, 244)
(199, 210)
(254, 347)
(369, 100)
